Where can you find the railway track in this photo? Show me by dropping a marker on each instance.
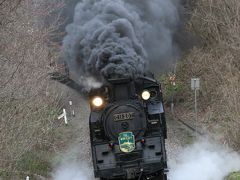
(188, 126)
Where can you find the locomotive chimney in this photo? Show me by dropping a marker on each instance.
(123, 89)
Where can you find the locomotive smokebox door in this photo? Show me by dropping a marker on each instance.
(126, 142)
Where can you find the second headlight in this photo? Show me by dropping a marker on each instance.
(146, 95)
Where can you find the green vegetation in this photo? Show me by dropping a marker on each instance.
(171, 86)
(234, 176)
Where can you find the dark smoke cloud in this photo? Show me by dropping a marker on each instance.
(120, 38)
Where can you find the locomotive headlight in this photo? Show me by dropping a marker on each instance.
(146, 95)
(97, 101)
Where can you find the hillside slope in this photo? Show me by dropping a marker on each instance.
(217, 62)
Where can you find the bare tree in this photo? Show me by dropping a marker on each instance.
(27, 112)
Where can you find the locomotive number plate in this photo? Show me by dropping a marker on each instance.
(126, 142)
(123, 116)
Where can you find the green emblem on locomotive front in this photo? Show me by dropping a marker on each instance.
(126, 142)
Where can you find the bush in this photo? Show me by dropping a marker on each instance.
(170, 87)
(234, 176)
(28, 106)
(217, 22)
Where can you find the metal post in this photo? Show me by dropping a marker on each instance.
(172, 106)
(196, 116)
(173, 83)
(195, 85)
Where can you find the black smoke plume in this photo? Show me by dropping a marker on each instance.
(120, 38)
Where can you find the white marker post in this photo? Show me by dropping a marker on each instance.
(195, 85)
(27, 178)
(64, 115)
(72, 110)
(172, 79)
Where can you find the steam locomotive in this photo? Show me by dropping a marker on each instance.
(128, 129)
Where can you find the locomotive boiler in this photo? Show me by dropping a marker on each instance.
(128, 129)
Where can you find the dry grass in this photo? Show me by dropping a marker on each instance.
(217, 62)
(28, 107)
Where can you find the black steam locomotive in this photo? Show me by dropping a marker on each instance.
(128, 130)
